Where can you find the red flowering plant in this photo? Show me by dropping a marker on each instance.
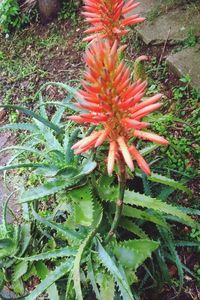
(114, 103)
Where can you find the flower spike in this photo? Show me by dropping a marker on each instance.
(108, 18)
(115, 103)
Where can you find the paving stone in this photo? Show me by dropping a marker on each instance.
(178, 23)
(187, 61)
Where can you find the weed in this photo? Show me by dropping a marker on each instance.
(68, 12)
(81, 46)
(13, 117)
(192, 39)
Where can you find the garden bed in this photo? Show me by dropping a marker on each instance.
(39, 54)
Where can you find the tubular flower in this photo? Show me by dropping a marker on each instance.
(115, 103)
(108, 18)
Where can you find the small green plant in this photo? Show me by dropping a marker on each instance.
(192, 39)
(81, 46)
(11, 16)
(13, 117)
(68, 12)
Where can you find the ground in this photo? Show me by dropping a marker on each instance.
(40, 53)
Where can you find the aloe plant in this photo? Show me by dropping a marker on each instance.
(91, 235)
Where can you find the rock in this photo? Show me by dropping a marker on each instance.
(178, 23)
(185, 62)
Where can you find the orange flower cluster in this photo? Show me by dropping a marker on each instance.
(115, 103)
(108, 18)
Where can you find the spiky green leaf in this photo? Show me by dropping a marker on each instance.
(113, 269)
(87, 167)
(28, 149)
(9, 243)
(168, 181)
(46, 189)
(107, 286)
(53, 276)
(148, 149)
(169, 243)
(52, 142)
(91, 276)
(59, 111)
(18, 286)
(133, 253)
(157, 205)
(83, 205)
(19, 126)
(76, 270)
(132, 227)
(41, 269)
(33, 115)
(187, 244)
(68, 251)
(66, 232)
(19, 270)
(69, 89)
(21, 166)
(25, 237)
(137, 213)
(52, 291)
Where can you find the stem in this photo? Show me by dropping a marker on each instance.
(119, 203)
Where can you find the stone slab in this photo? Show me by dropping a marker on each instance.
(185, 62)
(177, 23)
